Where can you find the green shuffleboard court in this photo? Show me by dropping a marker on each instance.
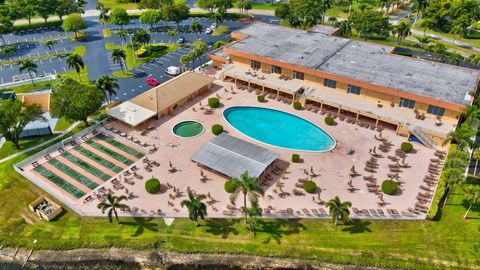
(98, 159)
(73, 174)
(120, 145)
(86, 166)
(110, 152)
(71, 189)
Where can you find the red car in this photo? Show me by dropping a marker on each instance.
(152, 82)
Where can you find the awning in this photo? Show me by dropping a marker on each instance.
(131, 113)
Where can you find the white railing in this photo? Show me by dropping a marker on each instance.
(28, 81)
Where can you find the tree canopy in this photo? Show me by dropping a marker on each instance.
(150, 17)
(302, 13)
(119, 16)
(73, 23)
(370, 23)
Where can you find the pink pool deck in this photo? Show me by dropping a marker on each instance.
(333, 167)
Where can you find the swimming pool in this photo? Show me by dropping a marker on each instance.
(279, 129)
(188, 129)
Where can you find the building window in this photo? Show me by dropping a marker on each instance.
(298, 75)
(276, 69)
(435, 110)
(330, 83)
(352, 89)
(254, 64)
(407, 103)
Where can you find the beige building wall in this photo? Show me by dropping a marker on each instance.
(42, 99)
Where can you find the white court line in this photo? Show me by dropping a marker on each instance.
(144, 66)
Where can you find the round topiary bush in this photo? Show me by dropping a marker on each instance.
(213, 102)
(297, 105)
(152, 186)
(295, 158)
(406, 147)
(310, 186)
(389, 187)
(217, 129)
(229, 188)
(261, 98)
(329, 120)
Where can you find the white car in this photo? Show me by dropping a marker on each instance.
(213, 26)
(173, 71)
(208, 31)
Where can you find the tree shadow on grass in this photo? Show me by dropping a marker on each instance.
(142, 224)
(278, 228)
(222, 227)
(357, 226)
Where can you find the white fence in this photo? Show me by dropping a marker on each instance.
(27, 81)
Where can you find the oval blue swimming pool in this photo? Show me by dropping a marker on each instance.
(278, 128)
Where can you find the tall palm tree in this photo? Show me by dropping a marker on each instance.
(30, 67)
(112, 204)
(50, 44)
(472, 195)
(171, 33)
(476, 156)
(253, 213)
(196, 27)
(107, 85)
(249, 187)
(119, 56)
(453, 177)
(202, 47)
(339, 210)
(418, 6)
(462, 136)
(196, 208)
(123, 35)
(75, 61)
(103, 13)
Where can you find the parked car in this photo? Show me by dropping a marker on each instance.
(213, 26)
(208, 31)
(151, 81)
(181, 40)
(173, 71)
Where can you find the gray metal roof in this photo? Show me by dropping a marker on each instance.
(232, 156)
(362, 61)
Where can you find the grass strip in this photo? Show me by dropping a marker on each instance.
(105, 163)
(74, 174)
(120, 145)
(86, 166)
(110, 152)
(57, 180)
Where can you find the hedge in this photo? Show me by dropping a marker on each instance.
(389, 187)
(329, 120)
(36, 25)
(295, 158)
(213, 102)
(219, 44)
(406, 147)
(261, 98)
(309, 186)
(229, 187)
(152, 186)
(297, 105)
(217, 129)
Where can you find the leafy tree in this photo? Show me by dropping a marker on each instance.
(418, 6)
(424, 40)
(8, 50)
(244, 5)
(282, 11)
(345, 28)
(30, 67)
(185, 59)
(403, 29)
(196, 208)
(119, 16)
(476, 156)
(196, 27)
(73, 23)
(112, 204)
(437, 48)
(141, 36)
(249, 187)
(119, 56)
(456, 30)
(171, 33)
(154, 4)
(472, 195)
(123, 35)
(202, 47)
(107, 85)
(212, 5)
(66, 7)
(453, 177)
(369, 22)
(14, 116)
(339, 210)
(176, 12)
(75, 61)
(327, 4)
(75, 101)
(6, 27)
(50, 44)
(307, 12)
(462, 136)
(151, 17)
(45, 8)
(440, 13)
(385, 4)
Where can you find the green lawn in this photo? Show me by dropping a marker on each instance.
(27, 88)
(473, 42)
(119, 4)
(131, 63)
(62, 124)
(8, 148)
(220, 30)
(122, 74)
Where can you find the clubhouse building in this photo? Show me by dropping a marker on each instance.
(346, 78)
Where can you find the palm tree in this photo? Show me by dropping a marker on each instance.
(112, 204)
(202, 47)
(107, 85)
(50, 44)
(384, 4)
(196, 208)
(424, 40)
(345, 28)
(253, 212)
(171, 33)
(403, 29)
(123, 35)
(327, 4)
(339, 210)
(141, 36)
(418, 6)
(75, 61)
(472, 195)
(453, 177)
(29, 66)
(103, 13)
(476, 156)
(118, 56)
(249, 187)
(462, 136)
(185, 59)
(196, 27)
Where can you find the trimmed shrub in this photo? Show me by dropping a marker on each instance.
(152, 186)
(219, 44)
(389, 187)
(261, 98)
(217, 129)
(229, 187)
(406, 147)
(329, 120)
(310, 186)
(297, 105)
(213, 102)
(295, 158)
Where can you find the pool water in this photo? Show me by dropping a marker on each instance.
(188, 129)
(278, 128)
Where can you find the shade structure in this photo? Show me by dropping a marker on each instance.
(131, 114)
(232, 156)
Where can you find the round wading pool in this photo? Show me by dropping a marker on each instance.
(188, 129)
